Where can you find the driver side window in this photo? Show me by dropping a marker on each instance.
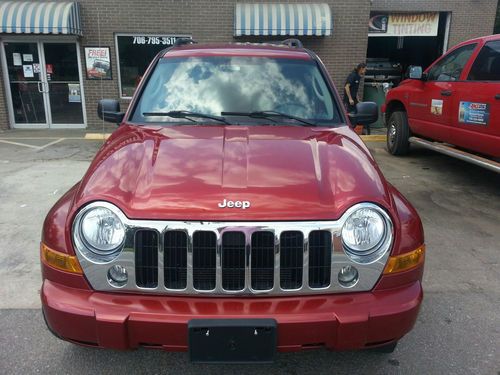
(451, 66)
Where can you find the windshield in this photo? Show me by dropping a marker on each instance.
(244, 85)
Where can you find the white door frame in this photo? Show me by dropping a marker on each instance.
(8, 93)
(40, 40)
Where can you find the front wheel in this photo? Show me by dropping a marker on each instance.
(398, 133)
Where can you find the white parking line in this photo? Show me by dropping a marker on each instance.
(51, 143)
(19, 144)
(38, 148)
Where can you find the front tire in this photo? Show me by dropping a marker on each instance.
(398, 133)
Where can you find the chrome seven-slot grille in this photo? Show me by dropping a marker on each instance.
(243, 264)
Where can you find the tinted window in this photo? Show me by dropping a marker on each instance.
(135, 52)
(451, 66)
(212, 85)
(487, 64)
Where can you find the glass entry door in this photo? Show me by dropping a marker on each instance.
(26, 83)
(44, 82)
(63, 83)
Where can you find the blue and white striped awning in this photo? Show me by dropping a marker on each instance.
(282, 19)
(23, 17)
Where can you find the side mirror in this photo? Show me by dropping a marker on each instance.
(415, 72)
(366, 113)
(109, 110)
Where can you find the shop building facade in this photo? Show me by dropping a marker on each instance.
(59, 58)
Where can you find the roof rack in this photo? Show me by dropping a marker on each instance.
(183, 41)
(290, 42)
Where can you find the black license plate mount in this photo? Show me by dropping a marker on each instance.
(232, 340)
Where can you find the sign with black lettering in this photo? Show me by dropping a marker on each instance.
(404, 24)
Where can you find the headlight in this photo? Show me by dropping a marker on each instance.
(366, 233)
(98, 233)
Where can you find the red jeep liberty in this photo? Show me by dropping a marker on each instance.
(453, 107)
(233, 214)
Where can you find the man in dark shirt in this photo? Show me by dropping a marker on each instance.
(351, 97)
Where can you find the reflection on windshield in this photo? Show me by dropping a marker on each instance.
(212, 85)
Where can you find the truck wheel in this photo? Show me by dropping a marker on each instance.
(398, 133)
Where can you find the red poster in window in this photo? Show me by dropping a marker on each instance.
(49, 69)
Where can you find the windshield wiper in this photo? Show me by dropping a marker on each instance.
(270, 115)
(186, 115)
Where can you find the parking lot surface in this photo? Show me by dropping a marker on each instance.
(457, 332)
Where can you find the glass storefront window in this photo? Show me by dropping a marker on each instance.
(135, 52)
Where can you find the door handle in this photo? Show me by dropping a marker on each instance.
(497, 96)
(446, 93)
(40, 90)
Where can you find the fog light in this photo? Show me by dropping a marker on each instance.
(348, 276)
(117, 276)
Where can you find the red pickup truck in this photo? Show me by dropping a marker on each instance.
(234, 213)
(453, 107)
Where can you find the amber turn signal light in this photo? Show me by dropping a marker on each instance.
(405, 261)
(60, 261)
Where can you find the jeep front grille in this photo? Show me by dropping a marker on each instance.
(262, 261)
(204, 260)
(233, 261)
(233, 265)
(175, 259)
(146, 259)
(232, 258)
(291, 259)
(320, 255)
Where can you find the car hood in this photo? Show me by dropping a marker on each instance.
(184, 172)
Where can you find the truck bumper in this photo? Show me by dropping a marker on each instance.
(127, 321)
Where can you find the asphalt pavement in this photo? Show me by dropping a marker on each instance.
(457, 332)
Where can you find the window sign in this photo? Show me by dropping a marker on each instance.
(135, 53)
(17, 59)
(98, 62)
(28, 71)
(403, 24)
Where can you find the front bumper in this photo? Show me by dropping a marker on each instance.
(126, 321)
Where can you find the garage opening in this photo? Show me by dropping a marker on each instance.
(404, 50)
(397, 41)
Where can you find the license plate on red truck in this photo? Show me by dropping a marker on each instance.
(232, 340)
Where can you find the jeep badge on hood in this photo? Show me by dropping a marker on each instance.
(234, 204)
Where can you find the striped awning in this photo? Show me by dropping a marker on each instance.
(23, 17)
(282, 19)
